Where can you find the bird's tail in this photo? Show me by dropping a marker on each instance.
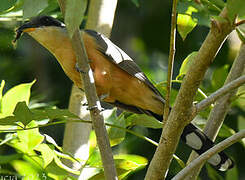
(193, 137)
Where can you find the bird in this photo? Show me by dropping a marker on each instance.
(119, 81)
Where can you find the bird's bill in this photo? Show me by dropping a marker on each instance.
(27, 27)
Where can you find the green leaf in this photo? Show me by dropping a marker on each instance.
(115, 135)
(32, 8)
(39, 114)
(125, 164)
(56, 171)
(186, 64)
(22, 113)
(8, 137)
(144, 120)
(6, 4)
(9, 120)
(52, 141)
(235, 7)
(13, 96)
(29, 139)
(47, 153)
(139, 161)
(232, 174)
(186, 23)
(74, 15)
(226, 131)
(136, 3)
(8, 158)
(62, 114)
(1, 94)
(28, 171)
(241, 123)
(212, 173)
(241, 33)
(52, 6)
(66, 168)
(219, 77)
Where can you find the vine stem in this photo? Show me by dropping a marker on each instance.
(170, 59)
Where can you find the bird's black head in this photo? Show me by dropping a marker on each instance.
(36, 22)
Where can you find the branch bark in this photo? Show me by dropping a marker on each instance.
(170, 59)
(94, 107)
(222, 106)
(93, 102)
(219, 93)
(182, 109)
(208, 154)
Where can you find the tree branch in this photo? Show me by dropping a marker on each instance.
(170, 59)
(182, 109)
(222, 105)
(93, 104)
(240, 22)
(100, 18)
(101, 15)
(219, 93)
(208, 154)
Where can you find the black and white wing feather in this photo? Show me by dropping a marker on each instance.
(121, 59)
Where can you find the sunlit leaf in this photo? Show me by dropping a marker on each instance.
(56, 172)
(125, 164)
(140, 161)
(63, 166)
(46, 152)
(13, 96)
(187, 63)
(30, 138)
(75, 10)
(144, 120)
(52, 141)
(186, 23)
(26, 170)
(32, 8)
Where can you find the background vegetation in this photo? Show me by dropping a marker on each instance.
(142, 29)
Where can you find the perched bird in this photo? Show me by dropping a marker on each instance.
(118, 79)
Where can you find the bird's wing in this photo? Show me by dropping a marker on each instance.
(121, 59)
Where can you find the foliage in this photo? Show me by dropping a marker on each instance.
(38, 156)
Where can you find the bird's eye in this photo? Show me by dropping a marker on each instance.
(45, 20)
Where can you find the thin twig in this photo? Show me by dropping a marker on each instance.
(219, 93)
(208, 154)
(240, 22)
(93, 104)
(170, 59)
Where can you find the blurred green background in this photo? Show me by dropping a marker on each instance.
(143, 33)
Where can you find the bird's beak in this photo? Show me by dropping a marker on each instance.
(27, 27)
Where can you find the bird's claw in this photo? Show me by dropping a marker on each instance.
(94, 107)
(78, 68)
